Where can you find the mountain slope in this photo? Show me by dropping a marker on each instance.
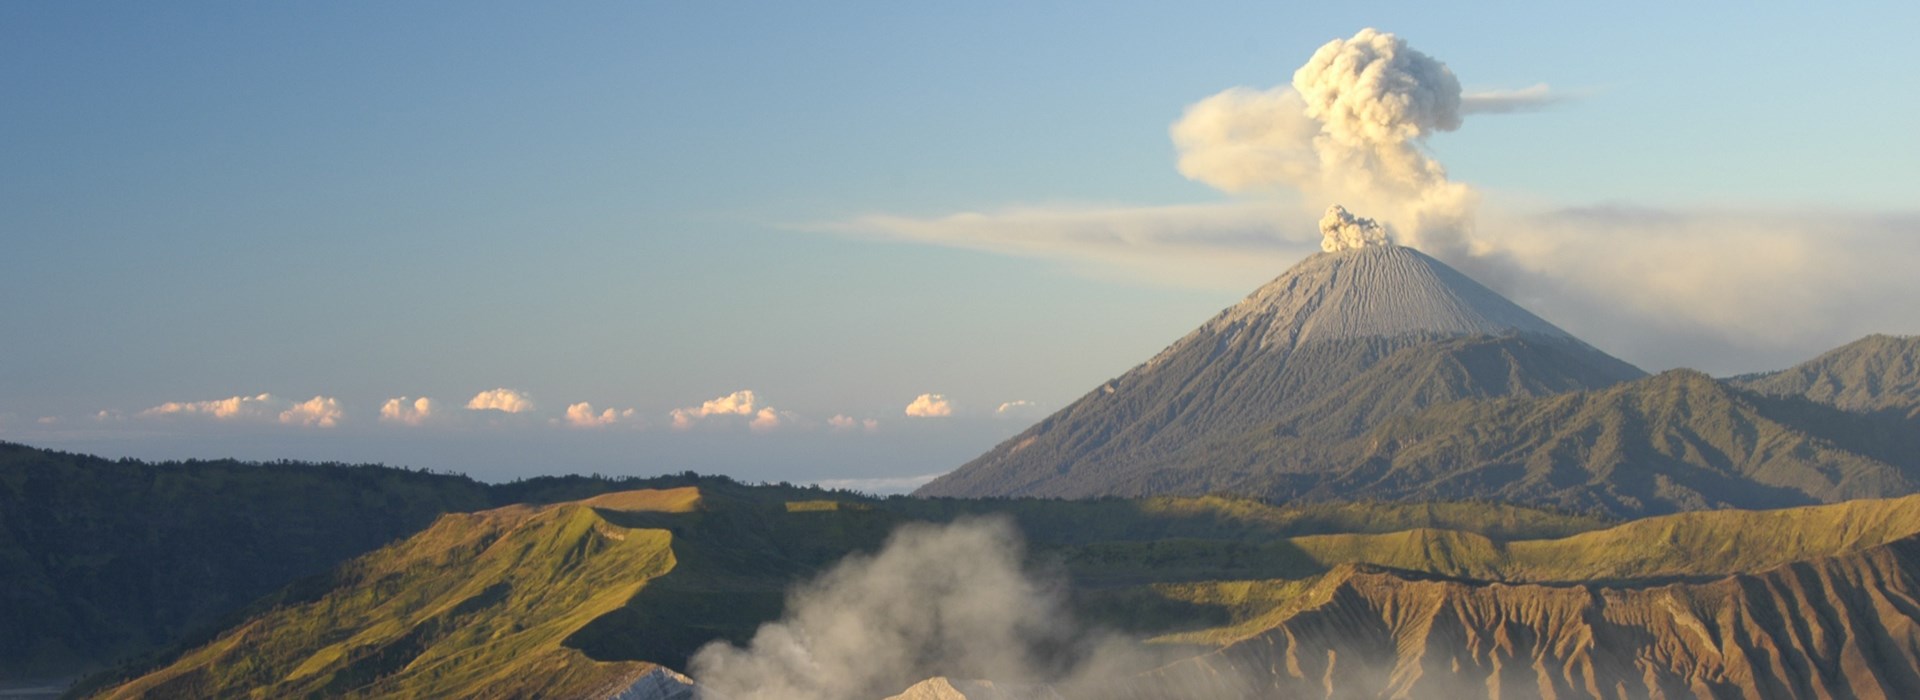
(1677, 441)
(1842, 626)
(108, 558)
(476, 605)
(1299, 350)
(1875, 374)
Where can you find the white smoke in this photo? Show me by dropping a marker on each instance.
(1340, 230)
(1351, 128)
(936, 600)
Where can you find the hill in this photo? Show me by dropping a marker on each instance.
(106, 559)
(1875, 374)
(1332, 347)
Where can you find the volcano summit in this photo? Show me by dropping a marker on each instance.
(1342, 341)
(1374, 371)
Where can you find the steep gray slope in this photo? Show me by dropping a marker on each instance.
(1875, 374)
(1296, 353)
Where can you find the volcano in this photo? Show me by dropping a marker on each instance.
(1336, 345)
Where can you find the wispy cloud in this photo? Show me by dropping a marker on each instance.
(1532, 98)
(1186, 245)
(1018, 408)
(319, 411)
(844, 423)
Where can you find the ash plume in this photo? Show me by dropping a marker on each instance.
(1341, 230)
(1350, 128)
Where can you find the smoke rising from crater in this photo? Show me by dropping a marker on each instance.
(936, 600)
(1341, 230)
(1350, 129)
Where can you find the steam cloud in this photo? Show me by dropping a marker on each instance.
(937, 600)
(1349, 129)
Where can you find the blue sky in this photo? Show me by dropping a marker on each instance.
(643, 205)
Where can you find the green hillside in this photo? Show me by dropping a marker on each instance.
(109, 558)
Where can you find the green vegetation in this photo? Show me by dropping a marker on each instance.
(109, 558)
(476, 605)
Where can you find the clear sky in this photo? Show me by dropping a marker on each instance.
(650, 205)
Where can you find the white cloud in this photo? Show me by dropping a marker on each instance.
(845, 423)
(409, 411)
(930, 406)
(236, 407)
(767, 419)
(48, 420)
(1187, 245)
(740, 403)
(1527, 99)
(320, 411)
(505, 400)
(582, 415)
(1018, 408)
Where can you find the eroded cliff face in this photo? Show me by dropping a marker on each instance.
(1841, 627)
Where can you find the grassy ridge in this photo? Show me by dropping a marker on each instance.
(475, 605)
(107, 558)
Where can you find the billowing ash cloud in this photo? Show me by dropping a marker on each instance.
(936, 600)
(1349, 129)
(1341, 230)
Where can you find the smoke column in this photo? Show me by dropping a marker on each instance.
(1350, 129)
(1340, 230)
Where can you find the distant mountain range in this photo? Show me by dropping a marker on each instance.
(1381, 373)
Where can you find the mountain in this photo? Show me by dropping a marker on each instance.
(1875, 374)
(1673, 442)
(1333, 346)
